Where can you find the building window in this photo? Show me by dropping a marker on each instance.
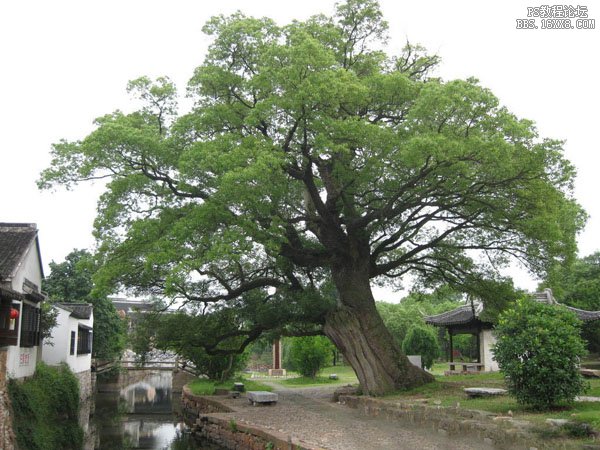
(73, 338)
(30, 326)
(84, 340)
(9, 322)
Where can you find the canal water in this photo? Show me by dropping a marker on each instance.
(141, 409)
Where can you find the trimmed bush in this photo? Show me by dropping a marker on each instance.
(538, 350)
(46, 409)
(310, 354)
(421, 340)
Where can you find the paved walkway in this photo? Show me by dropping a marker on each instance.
(307, 414)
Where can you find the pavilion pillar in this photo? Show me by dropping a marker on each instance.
(277, 370)
(479, 346)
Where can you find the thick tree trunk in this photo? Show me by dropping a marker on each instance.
(358, 331)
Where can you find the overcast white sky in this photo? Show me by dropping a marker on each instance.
(65, 62)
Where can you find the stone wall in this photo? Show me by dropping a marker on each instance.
(85, 385)
(7, 436)
(502, 432)
(210, 420)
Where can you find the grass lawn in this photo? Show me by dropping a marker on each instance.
(203, 386)
(448, 391)
(345, 376)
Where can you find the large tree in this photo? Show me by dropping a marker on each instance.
(311, 159)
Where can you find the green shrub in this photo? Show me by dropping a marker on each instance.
(421, 340)
(538, 350)
(46, 409)
(310, 354)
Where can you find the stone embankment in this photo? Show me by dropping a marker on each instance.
(308, 419)
(497, 431)
(210, 420)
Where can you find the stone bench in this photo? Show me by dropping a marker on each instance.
(467, 366)
(484, 392)
(262, 397)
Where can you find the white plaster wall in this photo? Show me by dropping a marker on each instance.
(29, 268)
(20, 362)
(83, 362)
(487, 340)
(61, 338)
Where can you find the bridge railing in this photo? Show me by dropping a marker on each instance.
(132, 364)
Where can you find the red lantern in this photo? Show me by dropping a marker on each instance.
(14, 313)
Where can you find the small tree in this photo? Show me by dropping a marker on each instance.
(538, 350)
(189, 336)
(310, 354)
(421, 340)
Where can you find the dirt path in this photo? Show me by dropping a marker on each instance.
(307, 414)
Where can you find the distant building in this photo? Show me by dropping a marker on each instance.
(21, 277)
(132, 309)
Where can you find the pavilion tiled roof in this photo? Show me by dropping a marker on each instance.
(78, 310)
(15, 239)
(458, 316)
(464, 314)
(583, 315)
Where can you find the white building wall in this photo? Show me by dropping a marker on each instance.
(59, 352)
(29, 268)
(21, 361)
(83, 362)
(486, 341)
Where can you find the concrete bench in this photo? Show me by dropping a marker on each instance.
(262, 397)
(484, 392)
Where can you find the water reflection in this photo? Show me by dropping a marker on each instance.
(152, 395)
(140, 411)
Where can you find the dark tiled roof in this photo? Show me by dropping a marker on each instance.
(583, 315)
(464, 314)
(458, 316)
(130, 306)
(15, 239)
(78, 310)
(545, 297)
(7, 292)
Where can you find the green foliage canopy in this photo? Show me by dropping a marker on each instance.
(310, 155)
(539, 350)
(189, 335)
